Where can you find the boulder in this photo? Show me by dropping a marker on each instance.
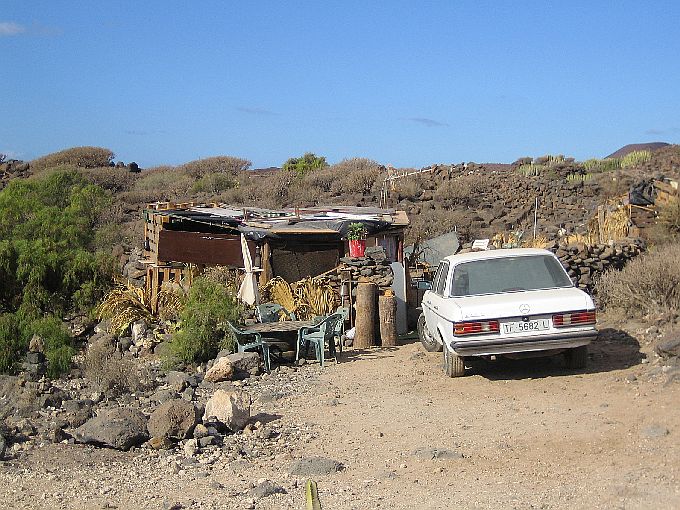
(669, 346)
(117, 428)
(222, 370)
(313, 466)
(3, 447)
(245, 364)
(139, 332)
(231, 408)
(174, 419)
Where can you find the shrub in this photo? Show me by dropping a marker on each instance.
(159, 184)
(669, 217)
(47, 266)
(461, 190)
(12, 342)
(46, 233)
(648, 284)
(305, 164)
(322, 180)
(214, 183)
(203, 331)
(109, 370)
(82, 157)
(113, 179)
(217, 164)
(357, 175)
(58, 344)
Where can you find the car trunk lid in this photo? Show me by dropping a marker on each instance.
(521, 304)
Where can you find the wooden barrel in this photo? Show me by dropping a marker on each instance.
(365, 317)
(387, 310)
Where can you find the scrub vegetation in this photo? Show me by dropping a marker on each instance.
(49, 262)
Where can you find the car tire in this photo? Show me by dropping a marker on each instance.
(454, 365)
(577, 357)
(429, 342)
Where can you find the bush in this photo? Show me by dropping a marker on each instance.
(159, 184)
(113, 179)
(47, 266)
(647, 285)
(461, 190)
(12, 342)
(305, 164)
(82, 157)
(669, 217)
(321, 180)
(58, 344)
(214, 183)
(357, 175)
(109, 370)
(217, 164)
(203, 331)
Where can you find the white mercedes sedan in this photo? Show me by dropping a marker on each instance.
(516, 303)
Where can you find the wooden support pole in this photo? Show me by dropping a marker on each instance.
(365, 321)
(387, 309)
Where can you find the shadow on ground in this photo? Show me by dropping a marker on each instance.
(613, 349)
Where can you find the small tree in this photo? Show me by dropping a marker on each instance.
(306, 163)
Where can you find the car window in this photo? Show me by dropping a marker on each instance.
(437, 274)
(441, 283)
(508, 274)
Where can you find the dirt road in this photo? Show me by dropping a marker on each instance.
(520, 434)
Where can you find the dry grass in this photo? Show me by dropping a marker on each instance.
(649, 284)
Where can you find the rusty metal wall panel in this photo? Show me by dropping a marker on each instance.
(200, 248)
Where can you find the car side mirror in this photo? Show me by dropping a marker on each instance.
(423, 285)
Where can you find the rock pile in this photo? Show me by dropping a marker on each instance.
(586, 263)
(373, 267)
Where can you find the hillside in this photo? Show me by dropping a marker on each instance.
(632, 147)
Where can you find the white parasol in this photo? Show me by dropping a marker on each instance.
(248, 292)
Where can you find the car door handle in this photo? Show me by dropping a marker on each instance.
(436, 307)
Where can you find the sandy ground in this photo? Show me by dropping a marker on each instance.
(512, 434)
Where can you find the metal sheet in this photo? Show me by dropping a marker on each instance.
(200, 248)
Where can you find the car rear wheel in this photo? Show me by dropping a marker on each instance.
(428, 341)
(454, 365)
(577, 357)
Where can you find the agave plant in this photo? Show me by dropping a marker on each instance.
(125, 305)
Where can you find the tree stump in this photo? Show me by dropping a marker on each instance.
(365, 318)
(387, 310)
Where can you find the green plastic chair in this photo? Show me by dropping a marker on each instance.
(271, 312)
(321, 334)
(340, 327)
(247, 341)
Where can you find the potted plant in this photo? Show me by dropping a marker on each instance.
(356, 233)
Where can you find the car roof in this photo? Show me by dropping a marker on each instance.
(495, 254)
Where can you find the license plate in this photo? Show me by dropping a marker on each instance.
(526, 326)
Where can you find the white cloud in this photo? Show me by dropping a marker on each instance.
(9, 29)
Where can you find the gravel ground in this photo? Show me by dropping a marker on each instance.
(386, 429)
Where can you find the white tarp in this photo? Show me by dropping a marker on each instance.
(248, 292)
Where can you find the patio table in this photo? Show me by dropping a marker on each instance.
(277, 327)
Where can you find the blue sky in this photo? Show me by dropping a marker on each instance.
(403, 82)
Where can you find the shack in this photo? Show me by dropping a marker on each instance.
(290, 243)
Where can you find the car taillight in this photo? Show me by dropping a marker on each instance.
(562, 320)
(475, 328)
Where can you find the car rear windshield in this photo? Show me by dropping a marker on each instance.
(508, 274)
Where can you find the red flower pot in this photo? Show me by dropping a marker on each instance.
(357, 247)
